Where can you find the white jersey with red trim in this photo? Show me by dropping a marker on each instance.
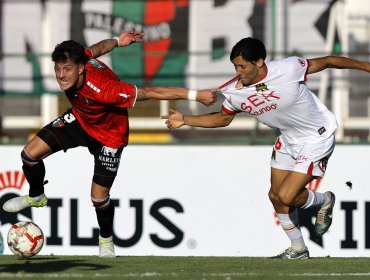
(282, 100)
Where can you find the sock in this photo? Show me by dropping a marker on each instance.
(326, 202)
(35, 177)
(105, 220)
(108, 239)
(298, 244)
(38, 198)
(289, 223)
(314, 199)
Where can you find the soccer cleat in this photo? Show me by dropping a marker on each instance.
(325, 215)
(19, 203)
(292, 254)
(106, 248)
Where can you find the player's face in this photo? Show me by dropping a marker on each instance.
(248, 72)
(68, 74)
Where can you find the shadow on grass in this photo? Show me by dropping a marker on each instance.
(49, 265)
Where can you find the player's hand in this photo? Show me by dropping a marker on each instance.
(207, 97)
(127, 38)
(174, 120)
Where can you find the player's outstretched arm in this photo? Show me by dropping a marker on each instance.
(218, 119)
(338, 62)
(207, 97)
(123, 40)
(174, 120)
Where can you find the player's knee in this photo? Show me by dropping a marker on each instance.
(101, 203)
(286, 199)
(273, 197)
(28, 160)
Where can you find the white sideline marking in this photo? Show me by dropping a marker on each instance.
(332, 274)
(75, 275)
(329, 274)
(153, 274)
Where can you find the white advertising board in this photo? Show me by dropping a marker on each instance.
(187, 201)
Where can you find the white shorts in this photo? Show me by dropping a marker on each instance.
(308, 158)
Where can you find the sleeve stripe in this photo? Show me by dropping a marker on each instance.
(89, 53)
(134, 100)
(229, 82)
(305, 74)
(227, 111)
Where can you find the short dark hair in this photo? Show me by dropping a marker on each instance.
(70, 50)
(250, 49)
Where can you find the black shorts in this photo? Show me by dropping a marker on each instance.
(66, 132)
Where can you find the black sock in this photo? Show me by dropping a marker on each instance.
(35, 176)
(105, 220)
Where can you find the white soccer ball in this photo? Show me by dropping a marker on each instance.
(25, 239)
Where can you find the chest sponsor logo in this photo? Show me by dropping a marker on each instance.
(259, 104)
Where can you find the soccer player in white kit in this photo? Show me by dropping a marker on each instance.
(276, 94)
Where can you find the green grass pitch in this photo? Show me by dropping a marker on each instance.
(186, 268)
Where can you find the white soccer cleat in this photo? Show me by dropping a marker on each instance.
(19, 203)
(106, 247)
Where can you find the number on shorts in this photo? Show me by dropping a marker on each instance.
(277, 144)
(69, 117)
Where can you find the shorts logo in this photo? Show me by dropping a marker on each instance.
(323, 164)
(58, 123)
(302, 62)
(107, 151)
(67, 118)
(273, 155)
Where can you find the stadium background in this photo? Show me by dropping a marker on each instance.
(204, 187)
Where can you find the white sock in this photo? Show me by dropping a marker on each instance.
(326, 200)
(298, 244)
(289, 223)
(314, 199)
